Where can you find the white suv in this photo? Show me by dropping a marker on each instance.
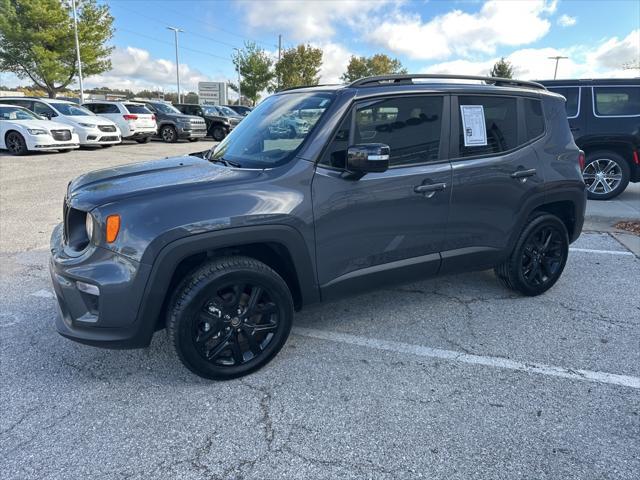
(135, 121)
(21, 131)
(91, 129)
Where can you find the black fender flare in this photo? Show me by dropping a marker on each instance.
(173, 253)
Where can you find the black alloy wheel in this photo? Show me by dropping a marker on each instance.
(169, 134)
(15, 143)
(538, 258)
(292, 132)
(230, 317)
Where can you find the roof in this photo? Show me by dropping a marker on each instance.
(592, 81)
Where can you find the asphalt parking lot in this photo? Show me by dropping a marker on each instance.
(452, 377)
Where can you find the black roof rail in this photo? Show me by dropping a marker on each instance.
(408, 79)
(308, 86)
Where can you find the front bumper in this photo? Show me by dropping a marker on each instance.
(98, 137)
(110, 318)
(190, 132)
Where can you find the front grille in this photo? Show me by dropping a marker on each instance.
(107, 128)
(61, 135)
(109, 139)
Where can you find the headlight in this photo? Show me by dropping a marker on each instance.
(37, 131)
(87, 125)
(88, 225)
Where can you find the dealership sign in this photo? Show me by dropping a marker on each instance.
(212, 93)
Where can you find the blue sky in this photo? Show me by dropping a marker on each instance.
(432, 36)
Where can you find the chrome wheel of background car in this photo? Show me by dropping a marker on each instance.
(543, 256)
(236, 324)
(602, 176)
(15, 143)
(169, 134)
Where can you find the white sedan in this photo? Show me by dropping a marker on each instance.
(22, 131)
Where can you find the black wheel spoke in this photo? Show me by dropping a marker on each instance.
(256, 293)
(238, 357)
(254, 346)
(219, 348)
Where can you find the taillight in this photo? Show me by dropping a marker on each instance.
(581, 159)
(636, 160)
(130, 117)
(153, 117)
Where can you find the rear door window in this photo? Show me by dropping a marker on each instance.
(410, 126)
(133, 108)
(572, 94)
(616, 101)
(501, 121)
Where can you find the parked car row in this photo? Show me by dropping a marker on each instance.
(33, 124)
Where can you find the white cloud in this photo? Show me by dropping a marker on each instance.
(310, 19)
(136, 69)
(509, 23)
(605, 61)
(566, 20)
(335, 59)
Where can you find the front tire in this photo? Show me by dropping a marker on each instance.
(194, 139)
(606, 175)
(15, 143)
(230, 318)
(538, 258)
(168, 134)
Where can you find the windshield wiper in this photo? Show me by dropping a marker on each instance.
(226, 163)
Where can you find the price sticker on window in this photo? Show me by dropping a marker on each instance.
(474, 129)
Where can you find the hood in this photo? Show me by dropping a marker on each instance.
(44, 124)
(158, 176)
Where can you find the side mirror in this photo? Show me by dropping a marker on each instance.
(367, 158)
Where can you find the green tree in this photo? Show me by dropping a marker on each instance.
(255, 69)
(299, 66)
(379, 64)
(37, 41)
(502, 69)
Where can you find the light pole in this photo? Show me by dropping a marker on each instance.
(557, 59)
(75, 28)
(175, 32)
(239, 80)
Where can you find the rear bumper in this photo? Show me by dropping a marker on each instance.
(142, 133)
(98, 294)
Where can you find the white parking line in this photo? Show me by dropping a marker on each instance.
(605, 252)
(422, 351)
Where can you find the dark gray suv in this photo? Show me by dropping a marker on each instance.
(398, 178)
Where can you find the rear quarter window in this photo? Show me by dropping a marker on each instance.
(572, 94)
(616, 101)
(534, 118)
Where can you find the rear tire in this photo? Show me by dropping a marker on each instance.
(15, 143)
(230, 317)
(194, 139)
(538, 258)
(606, 175)
(143, 140)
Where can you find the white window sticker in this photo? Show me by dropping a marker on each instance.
(473, 126)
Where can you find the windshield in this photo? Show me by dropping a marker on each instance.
(17, 113)
(227, 111)
(70, 109)
(274, 131)
(209, 110)
(165, 108)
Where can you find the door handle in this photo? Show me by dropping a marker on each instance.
(524, 173)
(429, 190)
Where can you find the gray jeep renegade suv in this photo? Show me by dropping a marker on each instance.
(398, 178)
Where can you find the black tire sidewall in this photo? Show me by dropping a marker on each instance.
(191, 295)
(624, 168)
(218, 134)
(516, 273)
